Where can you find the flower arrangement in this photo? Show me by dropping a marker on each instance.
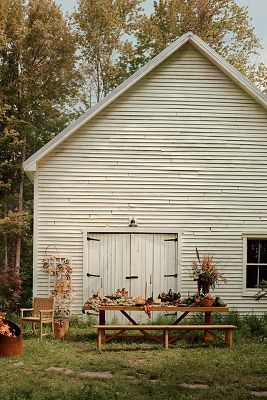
(59, 270)
(206, 273)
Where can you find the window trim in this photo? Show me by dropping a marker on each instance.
(249, 292)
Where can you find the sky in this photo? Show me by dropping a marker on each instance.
(257, 10)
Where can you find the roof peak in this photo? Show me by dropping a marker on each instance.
(189, 37)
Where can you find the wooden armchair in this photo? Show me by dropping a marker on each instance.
(41, 313)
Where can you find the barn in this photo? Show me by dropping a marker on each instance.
(173, 158)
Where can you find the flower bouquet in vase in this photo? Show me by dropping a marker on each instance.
(207, 275)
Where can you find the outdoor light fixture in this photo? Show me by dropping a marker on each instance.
(132, 223)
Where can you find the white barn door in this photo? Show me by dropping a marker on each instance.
(108, 263)
(138, 262)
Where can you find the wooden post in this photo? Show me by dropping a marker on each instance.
(208, 336)
(229, 337)
(166, 338)
(102, 321)
(99, 339)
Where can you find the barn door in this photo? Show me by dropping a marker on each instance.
(108, 263)
(141, 264)
(94, 272)
(138, 262)
(165, 265)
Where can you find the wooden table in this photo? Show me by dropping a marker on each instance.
(184, 310)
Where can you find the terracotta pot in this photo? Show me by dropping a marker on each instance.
(206, 302)
(61, 328)
(11, 346)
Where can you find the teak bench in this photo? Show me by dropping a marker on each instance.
(165, 339)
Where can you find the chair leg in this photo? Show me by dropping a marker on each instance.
(33, 327)
(41, 330)
(21, 325)
(53, 327)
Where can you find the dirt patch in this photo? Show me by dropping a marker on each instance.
(97, 374)
(67, 371)
(259, 394)
(139, 362)
(18, 364)
(194, 385)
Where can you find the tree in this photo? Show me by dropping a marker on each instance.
(223, 24)
(102, 27)
(39, 85)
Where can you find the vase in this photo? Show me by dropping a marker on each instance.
(202, 285)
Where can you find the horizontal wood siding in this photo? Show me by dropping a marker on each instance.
(185, 147)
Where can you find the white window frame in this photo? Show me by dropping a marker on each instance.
(256, 236)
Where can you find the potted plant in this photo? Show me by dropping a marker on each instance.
(206, 273)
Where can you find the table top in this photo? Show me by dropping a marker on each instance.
(159, 308)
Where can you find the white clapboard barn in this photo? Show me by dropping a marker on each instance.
(181, 148)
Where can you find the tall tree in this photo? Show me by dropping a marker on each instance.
(223, 24)
(39, 85)
(103, 27)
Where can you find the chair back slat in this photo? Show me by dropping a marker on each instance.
(43, 303)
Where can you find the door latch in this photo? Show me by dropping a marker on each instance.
(173, 275)
(97, 276)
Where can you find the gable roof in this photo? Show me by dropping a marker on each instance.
(30, 164)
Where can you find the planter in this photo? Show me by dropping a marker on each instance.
(11, 345)
(61, 328)
(206, 302)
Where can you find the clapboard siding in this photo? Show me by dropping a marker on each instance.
(184, 147)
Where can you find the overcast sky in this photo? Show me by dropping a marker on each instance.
(257, 10)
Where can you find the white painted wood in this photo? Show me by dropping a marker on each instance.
(189, 37)
(185, 151)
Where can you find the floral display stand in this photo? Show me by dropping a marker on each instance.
(59, 270)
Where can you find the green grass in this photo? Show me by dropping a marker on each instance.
(140, 370)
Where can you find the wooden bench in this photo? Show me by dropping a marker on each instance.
(165, 339)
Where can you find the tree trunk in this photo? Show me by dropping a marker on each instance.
(20, 208)
(5, 252)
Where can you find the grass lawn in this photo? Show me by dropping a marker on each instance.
(60, 369)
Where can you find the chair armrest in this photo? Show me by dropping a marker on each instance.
(45, 311)
(22, 310)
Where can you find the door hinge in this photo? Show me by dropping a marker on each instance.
(131, 277)
(96, 240)
(171, 240)
(169, 276)
(96, 276)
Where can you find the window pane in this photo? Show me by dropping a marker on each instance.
(263, 251)
(262, 274)
(252, 251)
(252, 274)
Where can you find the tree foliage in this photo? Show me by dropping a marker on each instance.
(103, 28)
(223, 24)
(39, 89)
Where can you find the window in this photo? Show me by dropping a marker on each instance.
(256, 265)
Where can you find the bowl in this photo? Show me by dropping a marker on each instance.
(206, 302)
